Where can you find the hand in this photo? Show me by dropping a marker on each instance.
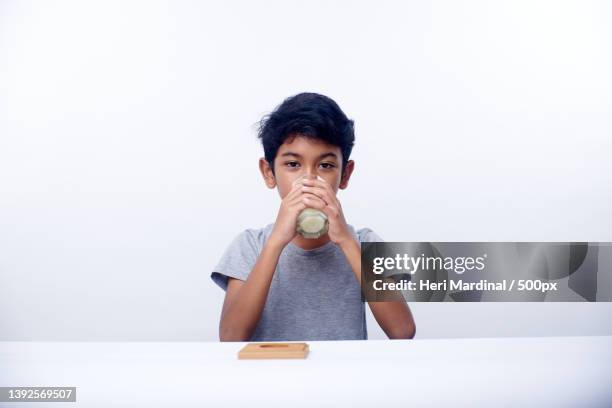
(285, 227)
(320, 195)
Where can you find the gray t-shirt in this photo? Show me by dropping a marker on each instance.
(314, 294)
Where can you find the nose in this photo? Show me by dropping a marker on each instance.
(310, 174)
(310, 171)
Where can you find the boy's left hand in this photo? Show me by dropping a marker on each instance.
(322, 197)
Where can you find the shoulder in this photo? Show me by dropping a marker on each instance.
(253, 235)
(240, 256)
(252, 238)
(366, 234)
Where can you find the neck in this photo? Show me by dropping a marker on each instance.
(307, 244)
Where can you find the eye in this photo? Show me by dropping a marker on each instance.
(328, 166)
(292, 164)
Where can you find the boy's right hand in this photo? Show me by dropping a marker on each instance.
(285, 227)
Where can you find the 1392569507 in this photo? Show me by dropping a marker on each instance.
(535, 284)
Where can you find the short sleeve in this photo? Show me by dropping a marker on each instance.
(238, 259)
(367, 235)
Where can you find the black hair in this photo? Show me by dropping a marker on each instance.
(310, 115)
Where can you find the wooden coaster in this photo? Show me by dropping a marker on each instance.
(273, 351)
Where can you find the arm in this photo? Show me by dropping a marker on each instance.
(245, 300)
(393, 317)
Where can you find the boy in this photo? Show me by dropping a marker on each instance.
(279, 285)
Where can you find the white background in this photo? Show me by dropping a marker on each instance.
(128, 156)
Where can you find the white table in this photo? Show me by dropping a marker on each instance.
(553, 371)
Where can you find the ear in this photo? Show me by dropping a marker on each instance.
(266, 172)
(348, 170)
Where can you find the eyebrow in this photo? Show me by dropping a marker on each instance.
(328, 154)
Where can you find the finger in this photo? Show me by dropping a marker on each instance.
(299, 206)
(318, 191)
(312, 203)
(312, 196)
(331, 211)
(300, 193)
(300, 180)
(293, 194)
(330, 197)
(296, 201)
(319, 182)
(296, 191)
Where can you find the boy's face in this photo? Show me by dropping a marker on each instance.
(299, 156)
